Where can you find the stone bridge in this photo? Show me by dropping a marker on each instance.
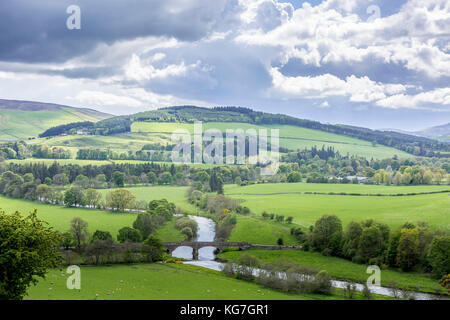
(196, 245)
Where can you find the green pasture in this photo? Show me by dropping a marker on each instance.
(306, 209)
(159, 281)
(256, 230)
(272, 188)
(173, 194)
(59, 218)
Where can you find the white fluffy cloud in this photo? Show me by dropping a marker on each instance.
(320, 34)
(144, 70)
(327, 85)
(438, 99)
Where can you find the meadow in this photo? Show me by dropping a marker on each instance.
(159, 281)
(307, 208)
(300, 187)
(291, 137)
(59, 218)
(256, 230)
(118, 142)
(340, 268)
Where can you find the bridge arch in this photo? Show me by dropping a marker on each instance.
(197, 245)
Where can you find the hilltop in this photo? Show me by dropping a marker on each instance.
(26, 119)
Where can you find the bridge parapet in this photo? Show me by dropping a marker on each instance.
(196, 245)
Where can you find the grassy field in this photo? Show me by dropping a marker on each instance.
(271, 188)
(291, 137)
(307, 208)
(171, 193)
(158, 282)
(59, 218)
(255, 230)
(16, 125)
(341, 268)
(118, 142)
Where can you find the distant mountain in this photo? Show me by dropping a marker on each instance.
(26, 119)
(437, 132)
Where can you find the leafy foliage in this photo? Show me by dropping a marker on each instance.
(28, 248)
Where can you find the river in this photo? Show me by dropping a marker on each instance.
(206, 259)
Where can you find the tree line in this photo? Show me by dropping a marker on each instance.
(410, 247)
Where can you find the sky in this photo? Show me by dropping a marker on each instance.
(372, 63)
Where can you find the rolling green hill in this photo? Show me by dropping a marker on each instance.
(291, 137)
(229, 116)
(23, 119)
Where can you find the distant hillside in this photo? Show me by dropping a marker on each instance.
(437, 132)
(415, 145)
(27, 119)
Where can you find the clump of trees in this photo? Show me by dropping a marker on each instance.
(139, 243)
(187, 226)
(409, 247)
(283, 275)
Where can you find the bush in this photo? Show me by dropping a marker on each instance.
(366, 292)
(127, 234)
(245, 266)
(184, 222)
(228, 269)
(153, 249)
(101, 235)
(187, 232)
(323, 283)
(350, 290)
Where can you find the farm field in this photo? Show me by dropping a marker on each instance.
(159, 282)
(256, 230)
(306, 209)
(270, 188)
(340, 268)
(59, 217)
(171, 193)
(291, 137)
(118, 142)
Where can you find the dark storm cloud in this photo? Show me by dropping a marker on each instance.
(35, 31)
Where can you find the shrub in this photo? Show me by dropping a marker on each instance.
(350, 290)
(127, 234)
(152, 249)
(366, 292)
(245, 266)
(323, 283)
(187, 232)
